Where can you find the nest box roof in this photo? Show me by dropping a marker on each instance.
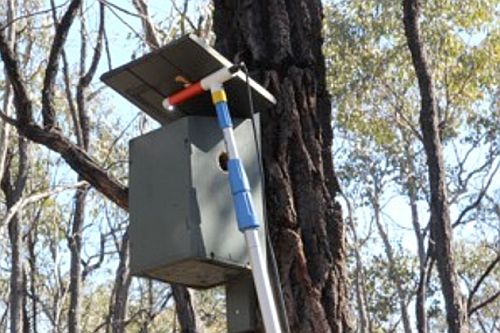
(149, 79)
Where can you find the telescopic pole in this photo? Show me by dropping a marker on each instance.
(245, 213)
(248, 222)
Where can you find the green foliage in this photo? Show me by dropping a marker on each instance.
(376, 104)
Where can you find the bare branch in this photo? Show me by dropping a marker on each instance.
(481, 280)
(138, 35)
(90, 268)
(23, 202)
(183, 13)
(147, 24)
(60, 37)
(484, 303)
(87, 77)
(480, 196)
(21, 101)
(29, 15)
(79, 161)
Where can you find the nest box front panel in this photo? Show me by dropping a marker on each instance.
(183, 225)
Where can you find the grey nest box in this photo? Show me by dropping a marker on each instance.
(182, 223)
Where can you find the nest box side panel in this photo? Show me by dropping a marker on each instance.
(159, 196)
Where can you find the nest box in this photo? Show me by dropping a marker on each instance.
(182, 223)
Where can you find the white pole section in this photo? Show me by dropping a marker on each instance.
(262, 285)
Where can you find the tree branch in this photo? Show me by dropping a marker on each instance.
(147, 24)
(23, 202)
(29, 15)
(480, 196)
(79, 161)
(60, 37)
(484, 303)
(21, 101)
(480, 281)
(86, 78)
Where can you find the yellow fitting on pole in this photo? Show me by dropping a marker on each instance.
(219, 96)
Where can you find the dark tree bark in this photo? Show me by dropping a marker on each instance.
(441, 231)
(280, 41)
(185, 314)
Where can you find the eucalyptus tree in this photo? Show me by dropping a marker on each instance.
(376, 96)
(280, 42)
(70, 143)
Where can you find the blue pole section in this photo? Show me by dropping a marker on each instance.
(240, 188)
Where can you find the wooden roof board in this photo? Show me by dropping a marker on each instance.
(146, 81)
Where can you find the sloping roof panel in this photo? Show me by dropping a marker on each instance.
(146, 81)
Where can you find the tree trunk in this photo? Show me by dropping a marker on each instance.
(16, 277)
(359, 284)
(184, 309)
(118, 305)
(408, 174)
(31, 241)
(389, 252)
(7, 95)
(13, 188)
(364, 320)
(280, 41)
(26, 317)
(75, 246)
(441, 232)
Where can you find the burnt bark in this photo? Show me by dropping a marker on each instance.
(280, 42)
(441, 231)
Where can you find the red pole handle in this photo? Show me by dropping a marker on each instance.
(183, 95)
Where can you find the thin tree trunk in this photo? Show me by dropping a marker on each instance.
(359, 283)
(13, 190)
(441, 232)
(31, 241)
(359, 280)
(16, 277)
(409, 176)
(26, 316)
(75, 246)
(185, 314)
(392, 264)
(280, 42)
(13, 226)
(7, 95)
(118, 305)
